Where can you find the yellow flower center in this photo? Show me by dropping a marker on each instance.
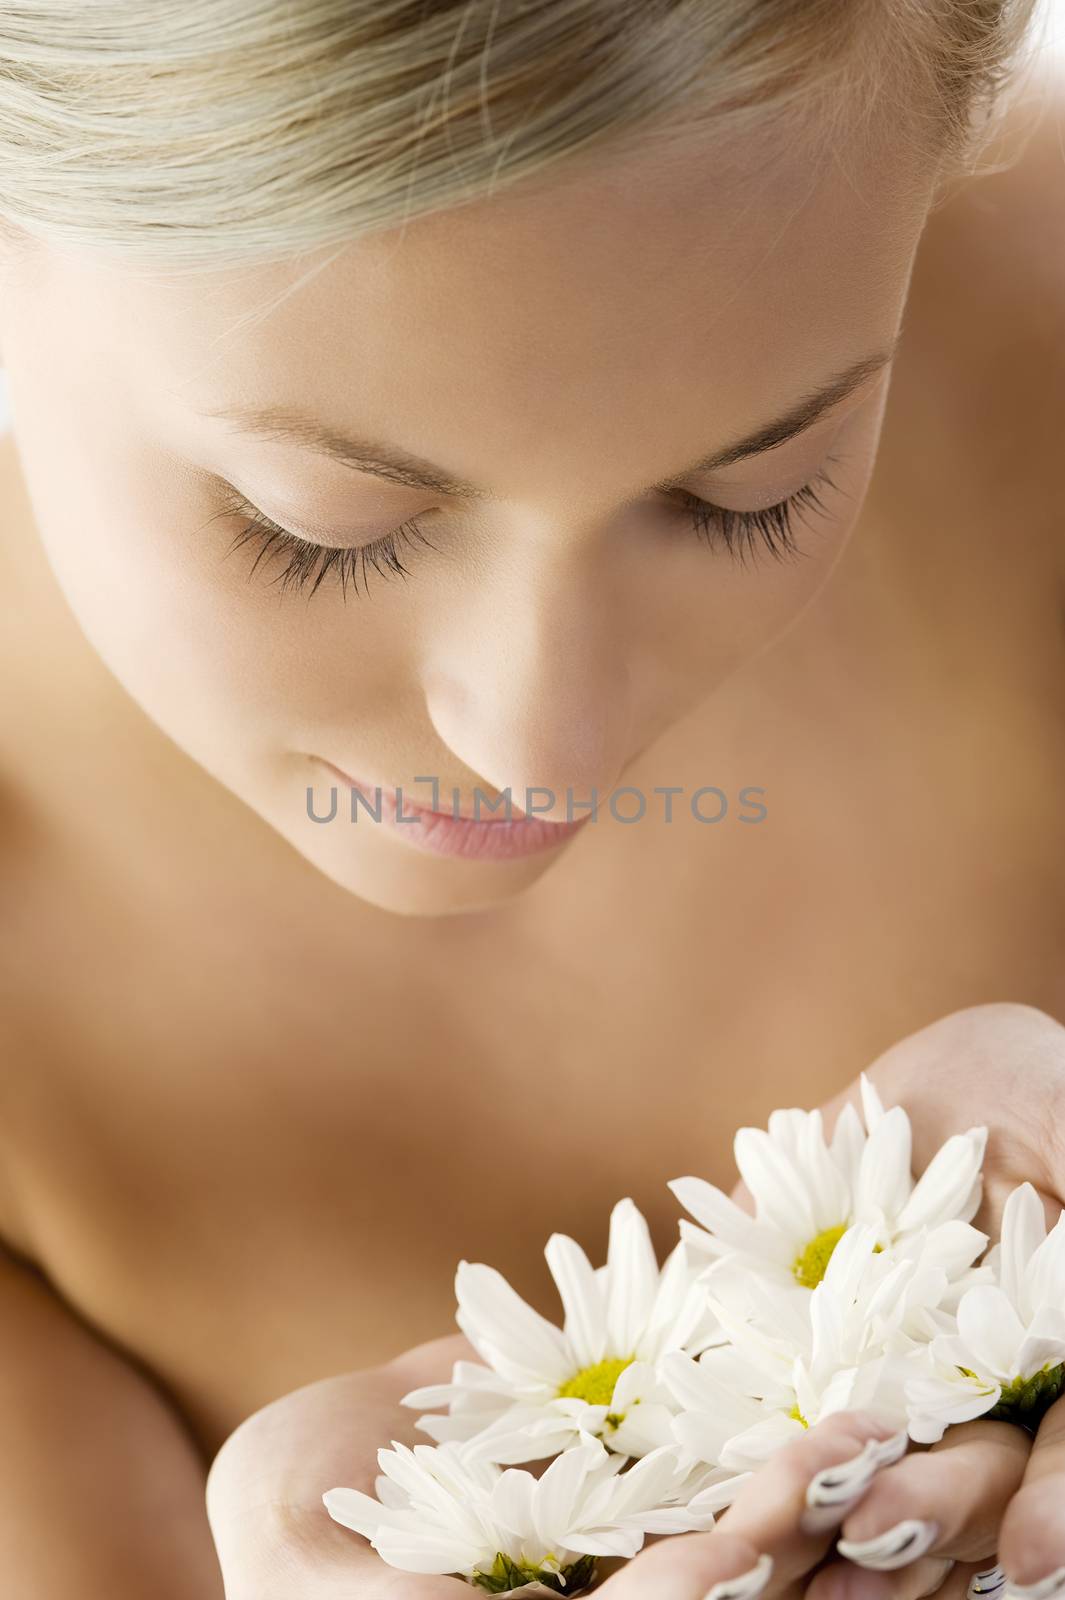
(796, 1415)
(811, 1264)
(595, 1384)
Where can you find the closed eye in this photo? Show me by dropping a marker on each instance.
(743, 533)
(307, 565)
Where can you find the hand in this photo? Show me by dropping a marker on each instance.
(984, 1485)
(986, 1494)
(961, 1483)
(995, 1494)
(999, 1065)
(274, 1537)
(276, 1541)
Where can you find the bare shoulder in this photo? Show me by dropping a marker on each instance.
(15, 1048)
(996, 240)
(46, 666)
(24, 938)
(978, 391)
(23, 667)
(31, 605)
(12, 810)
(20, 559)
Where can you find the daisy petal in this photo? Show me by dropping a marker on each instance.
(499, 1316)
(884, 1176)
(989, 1326)
(946, 1188)
(872, 1105)
(781, 1197)
(581, 1293)
(633, 1278)
(719, 1215)
(355, 1510)
(1023, 1230)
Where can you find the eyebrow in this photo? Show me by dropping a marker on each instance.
(383, 460)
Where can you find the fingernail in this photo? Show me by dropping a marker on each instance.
(989, 1582)
(746, 1586)
(896, 1548)
(1049, 1588)
(888, 1451)
(834, 1491)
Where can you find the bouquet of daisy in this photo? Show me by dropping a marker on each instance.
(851, 1285)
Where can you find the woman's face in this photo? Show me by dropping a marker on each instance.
(571, 357)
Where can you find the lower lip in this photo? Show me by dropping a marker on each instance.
(445, 835)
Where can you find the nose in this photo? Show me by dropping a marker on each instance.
(530, 689)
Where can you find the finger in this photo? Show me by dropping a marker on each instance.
(948, 1501)
(930, 1575)
(699, 1566)
(1032, 1541)
(781, 1509)
(974, 1580)
(842, 1580)
(984, 1582)
(757, 1548)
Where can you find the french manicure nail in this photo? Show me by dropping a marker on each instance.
(747, 1586)
(990, 1582)
(888, 1451)
(834, 1491)
(1051, 1587)
(896, 1548)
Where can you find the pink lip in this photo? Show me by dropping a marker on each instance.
(495, 838)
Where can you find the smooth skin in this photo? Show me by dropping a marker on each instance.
(987, 1484)
(570, 616)
(254, 1116)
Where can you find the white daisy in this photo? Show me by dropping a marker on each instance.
(793, 1357)
(808, 1191)
(543, 1388)
(1007, 1357)
(440, 1510)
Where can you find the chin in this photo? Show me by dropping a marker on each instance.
(392, 876)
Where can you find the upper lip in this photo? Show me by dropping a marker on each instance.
(488, 803)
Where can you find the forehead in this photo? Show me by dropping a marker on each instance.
(581, 316)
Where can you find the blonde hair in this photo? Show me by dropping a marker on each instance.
(219, 132)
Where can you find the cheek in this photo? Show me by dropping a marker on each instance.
(225, 666)
(822, 528)
(718, 611)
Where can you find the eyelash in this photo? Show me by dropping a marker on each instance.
(307, 561)
(741, 533)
